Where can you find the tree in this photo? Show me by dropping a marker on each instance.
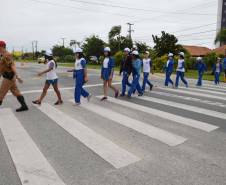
(166, 43)
(93, 46)
(117, 42)
(221, 37)
(141, 47)
(61, 51)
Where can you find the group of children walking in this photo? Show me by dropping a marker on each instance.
(131, 65)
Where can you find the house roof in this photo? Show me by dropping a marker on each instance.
(197, 50)
(220, 50)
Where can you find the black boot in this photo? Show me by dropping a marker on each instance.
(23, 104)
(0, 103)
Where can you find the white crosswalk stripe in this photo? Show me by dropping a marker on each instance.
(185, 107)
(192, 99)
(191, 93)
(178, 119)
(32, 167)
(106, 149)
(141, 127)
(205, 90)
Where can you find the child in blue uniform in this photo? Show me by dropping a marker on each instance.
(136, 63)
(107, 73)
(217, 69)
(80, 76)
(126, 70)
(168, 68)
(147, 67)
(181, 70)
(201, 67)
(224, 66)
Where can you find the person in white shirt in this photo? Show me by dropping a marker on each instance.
(181, 70)
(51, 79)
(147, 67)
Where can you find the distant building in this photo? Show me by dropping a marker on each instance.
(221, 50)
(197, 51)
(221, 17)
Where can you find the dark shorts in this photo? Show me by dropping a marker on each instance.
(225, 71)
(52, 82)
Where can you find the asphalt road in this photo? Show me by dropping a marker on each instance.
(167, 137)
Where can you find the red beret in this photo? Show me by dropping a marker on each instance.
(2, 44)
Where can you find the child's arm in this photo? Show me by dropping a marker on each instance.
(47, 70)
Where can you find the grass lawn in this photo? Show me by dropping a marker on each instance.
(206, 76)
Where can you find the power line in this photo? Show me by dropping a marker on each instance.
(80, 8)
(136, 9)
(197, 33)
(202, 4)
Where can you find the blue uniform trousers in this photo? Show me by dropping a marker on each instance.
(146, 81)
(125, 82)
(180, 75)
(79, 90)
(135, 85)
(168, 79)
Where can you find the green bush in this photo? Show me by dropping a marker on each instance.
(118, 58)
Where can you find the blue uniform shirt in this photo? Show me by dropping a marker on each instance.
(201, 67)
(169, 66)
(137, 66)
(224, 64)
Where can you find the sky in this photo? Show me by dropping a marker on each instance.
(47, 21)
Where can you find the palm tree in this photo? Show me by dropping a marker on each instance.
(221, 37)
(75, 43)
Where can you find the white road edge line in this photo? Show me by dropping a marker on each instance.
(165, 115)
(141, 127)
(204, 90)
(31, 165)
(185, 107)
(106, 149)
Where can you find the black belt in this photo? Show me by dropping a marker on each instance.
(8, 75)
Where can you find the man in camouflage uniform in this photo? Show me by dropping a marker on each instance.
(9, 74)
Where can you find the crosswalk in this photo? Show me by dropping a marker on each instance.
(32, 165)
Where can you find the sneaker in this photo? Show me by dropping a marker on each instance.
(103, 99)
(36, 102)
(116, 94)
(151, 87)
(58, 103)
(140, 94)
(89, 97)
(122, 95)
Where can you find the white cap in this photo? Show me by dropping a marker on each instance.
(135, 52)
(199, 58)
(147, 52)
(78, 50)
(181, 54)
(49, 53)
(127, 50)
(170, 55)
(107, 49)
(135, 47)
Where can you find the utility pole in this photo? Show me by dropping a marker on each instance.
(33, 50)
(130, 30)
(63, 39)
